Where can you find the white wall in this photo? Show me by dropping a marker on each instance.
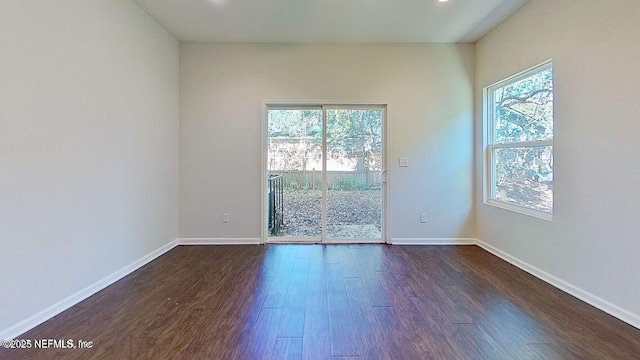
(88, 146)
(429, 91)
(593, 241)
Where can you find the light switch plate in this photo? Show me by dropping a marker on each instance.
(404, 162)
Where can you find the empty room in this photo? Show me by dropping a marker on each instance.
(318, 179)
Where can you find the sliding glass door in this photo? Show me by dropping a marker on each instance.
(325, 173)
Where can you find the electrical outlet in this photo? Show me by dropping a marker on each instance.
(403, 162)
(423, 218)
(225, 217)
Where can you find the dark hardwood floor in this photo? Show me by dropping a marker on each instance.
(333, 302)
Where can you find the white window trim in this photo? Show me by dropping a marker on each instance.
(488, 145)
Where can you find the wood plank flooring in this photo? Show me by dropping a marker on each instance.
(333, 302)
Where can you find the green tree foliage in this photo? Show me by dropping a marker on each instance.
(295, 123)
(295, 138)
(524, 109)
(351, 134)
(356, 134)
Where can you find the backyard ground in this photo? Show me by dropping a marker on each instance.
(530, 194)
(354, 214)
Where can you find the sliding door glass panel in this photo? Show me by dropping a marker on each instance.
(294, 165)
(354, 173)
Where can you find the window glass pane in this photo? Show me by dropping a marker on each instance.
(524, 109)
(294, 163)
(524, 177)
(354, 173)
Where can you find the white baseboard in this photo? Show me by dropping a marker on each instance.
(433, 241)
(604, 305)
(219, 241)
(64, 304)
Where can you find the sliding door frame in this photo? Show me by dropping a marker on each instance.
(323, 105)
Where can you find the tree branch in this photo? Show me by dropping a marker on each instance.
(525, 99)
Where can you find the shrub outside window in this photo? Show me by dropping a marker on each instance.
(519, 123)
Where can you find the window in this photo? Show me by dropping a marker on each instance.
(519, 123)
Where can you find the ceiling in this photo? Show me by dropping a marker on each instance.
(329, 21)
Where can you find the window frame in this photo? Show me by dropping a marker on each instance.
(489, 176)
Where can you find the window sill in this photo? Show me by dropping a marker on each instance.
(521, 210)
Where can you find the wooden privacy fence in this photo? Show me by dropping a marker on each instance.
(336, 180)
